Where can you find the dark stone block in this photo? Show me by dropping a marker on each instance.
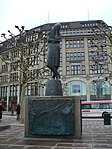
(53, 88)
(51, 117)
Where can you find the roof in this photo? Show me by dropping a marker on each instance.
(65, 26)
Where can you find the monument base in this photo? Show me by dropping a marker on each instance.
(53, 88)
(53, 117)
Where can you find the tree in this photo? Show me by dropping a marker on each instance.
(30, 48)
(101, 46)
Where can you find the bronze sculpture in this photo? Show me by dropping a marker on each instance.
(53, 56)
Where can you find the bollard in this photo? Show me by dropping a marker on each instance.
(107, 120)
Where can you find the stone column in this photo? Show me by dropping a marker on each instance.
(88, 90)
(8, 94)
(87, 69)
(63, 58)
(18, 95)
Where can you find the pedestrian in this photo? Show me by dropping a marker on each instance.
(0, 111)
(12, 107)
(12, 110)
(2, 104)
(18, 112)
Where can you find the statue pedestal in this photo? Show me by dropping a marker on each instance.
(53, 88)
(53, 117)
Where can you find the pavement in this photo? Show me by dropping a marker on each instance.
(95, 135)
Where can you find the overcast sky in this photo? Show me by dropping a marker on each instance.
(32, 13)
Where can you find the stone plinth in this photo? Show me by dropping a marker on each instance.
(53, 117)
(53, 88)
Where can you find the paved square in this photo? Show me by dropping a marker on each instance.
(95, 135)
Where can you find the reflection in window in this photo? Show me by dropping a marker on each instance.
(95, 106)
(75, 69)
(100, 87)
(75, 56)
(83, 69)
(104, 106)
(67, 70)
(75, 43)
(86, 106)
(98, 69)
(76, 88)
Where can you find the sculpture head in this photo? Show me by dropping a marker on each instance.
(56, 28)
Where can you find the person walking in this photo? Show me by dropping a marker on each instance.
(12, 107)
(0, 111)
(18, 112)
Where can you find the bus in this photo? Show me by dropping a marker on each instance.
(96, 108)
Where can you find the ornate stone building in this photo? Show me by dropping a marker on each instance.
(76, 66)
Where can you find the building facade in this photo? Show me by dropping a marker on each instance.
(76, 66)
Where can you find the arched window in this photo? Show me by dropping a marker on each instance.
(100, 89)
(76, 88)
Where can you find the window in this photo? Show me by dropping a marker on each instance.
(76, 88)
(45, 58)
(100, 87)
(35, 50)
(14, 76)
(67, 44)
(67, 57)
(4, 91)
(98, 69)
(71, 56)
(106, 71)
(100, 55)
(78, 69)
(83, 56)
(5, 68)
(14, 66)
(79, 56)
(75, 56)
(13, 90)
(67, 70)
(14, 53)
(71, 44)
(90, 69)
(5, 56)
(34, 60)
(60, 45)
(78, 43)
(33, 74)
(75, 69)
(28, 89)
(60, 57)
(47, 72)
(32, 88)
(83, 69)
(100, 42)
(95, 106)
(82, 43)
(75, 43)
(60, 71)
(90, 56)
(4, 79)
